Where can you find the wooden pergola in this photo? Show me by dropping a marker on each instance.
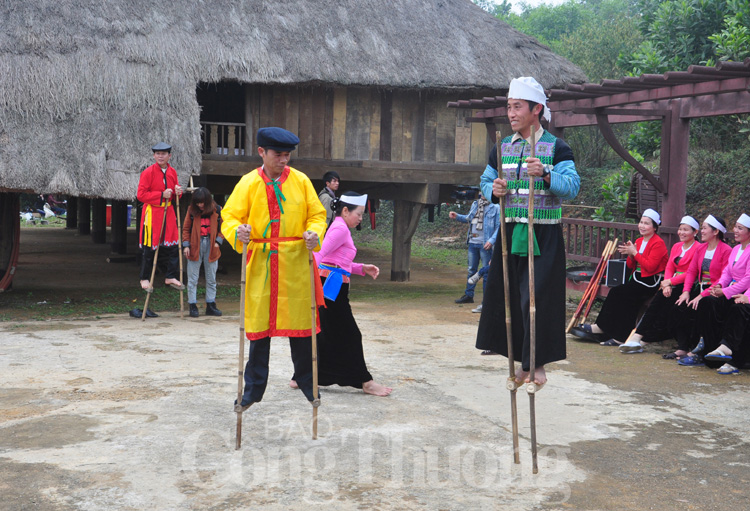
(674, 98)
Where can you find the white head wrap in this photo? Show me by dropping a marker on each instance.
(354, 200)
(744, 220)
(692, 222)
(525, 87)
(713, 222)
(653, 215)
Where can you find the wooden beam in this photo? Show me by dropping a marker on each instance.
(355, 170)
(610, 137)
(673, 206)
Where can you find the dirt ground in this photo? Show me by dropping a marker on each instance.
(115, 413)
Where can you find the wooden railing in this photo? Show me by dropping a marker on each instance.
(585, 239)
(227, 138)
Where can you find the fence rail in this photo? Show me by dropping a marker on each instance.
(585, 239)
(223, 138)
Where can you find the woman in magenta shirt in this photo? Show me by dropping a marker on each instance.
(340, 354)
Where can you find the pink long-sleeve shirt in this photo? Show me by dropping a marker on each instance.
(738, 272)
(338, 248)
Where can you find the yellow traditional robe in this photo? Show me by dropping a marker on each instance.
(277, 295)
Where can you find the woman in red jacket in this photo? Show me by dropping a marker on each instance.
(647, 258)
(654, 325)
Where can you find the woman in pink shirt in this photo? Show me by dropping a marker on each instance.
(340, 355)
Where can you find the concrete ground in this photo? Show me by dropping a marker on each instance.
(121, 414)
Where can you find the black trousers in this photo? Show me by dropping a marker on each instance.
(549, 287)
(256, 369)
(737, 333)
(682, 323)
(620, 308)
(654, 325)
(712, 314)
(170, 253)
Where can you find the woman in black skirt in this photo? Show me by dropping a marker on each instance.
(647, 258)
(340, 354)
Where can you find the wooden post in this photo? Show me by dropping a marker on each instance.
(84, 215)
(99, 220)
(119, 227)
(71, 214)
(249, 97)
(405, 219)
(673, 203)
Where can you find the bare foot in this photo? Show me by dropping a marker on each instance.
(595, 329)
(521, 376)
(172, 282)
(293, 384)
(540, 376)
(376, 389)
(145, 284)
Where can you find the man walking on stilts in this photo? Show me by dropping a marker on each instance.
(276, 211)
(557, 180)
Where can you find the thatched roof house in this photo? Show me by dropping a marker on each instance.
(86, 86)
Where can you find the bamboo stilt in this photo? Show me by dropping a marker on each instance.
(532, 313)
(314, 337)
(156, 259)
(179, 254)
(511, 385)
(241, 364)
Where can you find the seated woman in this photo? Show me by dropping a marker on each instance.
(705, 270)
(654, 325)
(713, 309)
(734, 349)
(647, 258)
(341, 357)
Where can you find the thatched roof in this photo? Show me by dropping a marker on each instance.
(87, 86)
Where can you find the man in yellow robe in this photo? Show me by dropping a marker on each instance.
(275, 209)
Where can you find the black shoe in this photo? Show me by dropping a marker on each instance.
(193, 310)
(465, 299)
(138, 313)
(211, 309)
(586, 334)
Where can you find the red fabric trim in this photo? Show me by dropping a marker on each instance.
(280, 333)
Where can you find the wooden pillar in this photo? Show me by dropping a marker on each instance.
(249, 143)
(99, 220)
(71, 213)
(678, 142)
(119, 227)
(84, 215)
(405, 219)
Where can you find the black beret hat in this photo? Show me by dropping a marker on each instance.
(277, 139)
(162, 146)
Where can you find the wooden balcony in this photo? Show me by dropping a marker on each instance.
(223, 138)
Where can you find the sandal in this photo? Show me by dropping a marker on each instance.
(489, 352)
(728, 369)
(691, 360)
(611, 342)
(719, 355)
(671, 356)
(584, 332)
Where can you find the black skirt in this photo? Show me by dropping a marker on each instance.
(654, 325)
(341, 360)
(549, 285)
(621, 307)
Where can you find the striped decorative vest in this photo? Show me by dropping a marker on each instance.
(547, 206)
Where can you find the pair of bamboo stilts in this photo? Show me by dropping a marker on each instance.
(241, 366)
(512, 385)
(156, 258)
(589, 295)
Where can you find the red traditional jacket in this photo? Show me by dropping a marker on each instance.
(150, 188)
(653, 260)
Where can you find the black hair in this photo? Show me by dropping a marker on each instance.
(723, 223)
(203, 195)
(532, 104)
(330, 176)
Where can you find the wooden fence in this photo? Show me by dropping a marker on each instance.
(226, 138)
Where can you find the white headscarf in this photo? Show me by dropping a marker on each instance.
(525, 87)
(744, 220)
(713, 222)
(689, 220)
(653, 215)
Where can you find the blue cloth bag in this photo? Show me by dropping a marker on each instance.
(332, 285)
